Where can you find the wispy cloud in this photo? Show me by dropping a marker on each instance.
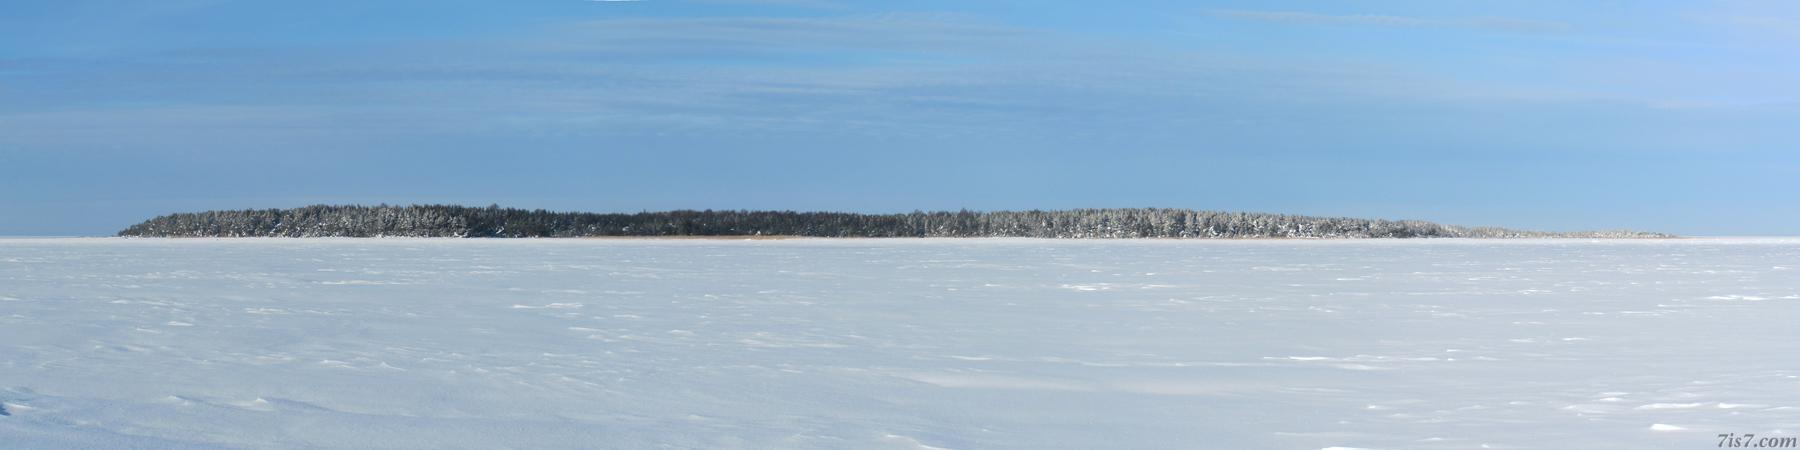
(1386, 20)
(850, 77)
(937, 33)
(888, 75)
(821, 4)
(1771, 24)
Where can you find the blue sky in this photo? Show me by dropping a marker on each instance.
(1665, 116)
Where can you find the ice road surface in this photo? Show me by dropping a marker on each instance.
(899, 343)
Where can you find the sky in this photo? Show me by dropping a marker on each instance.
(1672, 116)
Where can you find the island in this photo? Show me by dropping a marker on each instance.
(496, 222)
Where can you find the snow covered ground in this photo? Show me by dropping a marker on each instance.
(905, 344)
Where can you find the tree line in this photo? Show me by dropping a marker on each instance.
(497, 222)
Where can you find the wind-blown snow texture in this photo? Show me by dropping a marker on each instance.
(969, 343)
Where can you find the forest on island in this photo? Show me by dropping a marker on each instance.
(497, 222)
